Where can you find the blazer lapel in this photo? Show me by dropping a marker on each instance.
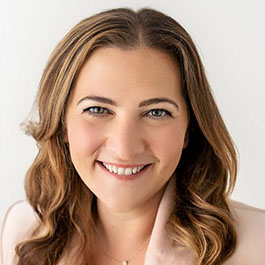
(161, 250)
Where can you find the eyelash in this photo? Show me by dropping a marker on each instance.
(166, 114)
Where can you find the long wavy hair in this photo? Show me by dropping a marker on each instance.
(206, 173)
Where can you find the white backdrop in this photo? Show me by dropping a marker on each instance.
(230, 38)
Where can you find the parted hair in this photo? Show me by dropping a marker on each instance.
(205, 176)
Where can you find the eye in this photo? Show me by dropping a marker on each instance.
(96, 111)
(159, 114)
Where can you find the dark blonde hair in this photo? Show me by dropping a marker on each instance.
(206, 173)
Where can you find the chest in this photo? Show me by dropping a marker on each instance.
(99, 258)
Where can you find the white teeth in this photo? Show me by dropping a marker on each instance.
(123, 171)
(107, 166)
(115, 170)
(120, 171)
(128, 171)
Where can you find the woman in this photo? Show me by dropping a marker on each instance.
(135, 164)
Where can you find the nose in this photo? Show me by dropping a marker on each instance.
(125, 140)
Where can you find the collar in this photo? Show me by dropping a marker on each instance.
(161, 249)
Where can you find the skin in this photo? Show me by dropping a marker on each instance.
(126, 134)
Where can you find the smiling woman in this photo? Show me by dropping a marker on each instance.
(135, 164)
(140, 120)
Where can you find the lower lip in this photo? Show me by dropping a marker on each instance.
(125, 177)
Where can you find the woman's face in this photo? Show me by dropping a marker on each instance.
(126, 110)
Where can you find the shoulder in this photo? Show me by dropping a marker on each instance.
(18, 224)
(250, 226)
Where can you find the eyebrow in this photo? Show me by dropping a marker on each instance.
(144, 103)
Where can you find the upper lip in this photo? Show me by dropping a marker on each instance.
(124, 165)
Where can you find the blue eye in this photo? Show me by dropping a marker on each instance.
(95, 110)
(156, 114)
(159, 114)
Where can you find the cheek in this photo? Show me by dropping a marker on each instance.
(83, 138)
(167, 144)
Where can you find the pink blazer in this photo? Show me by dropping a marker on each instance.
(20, 220)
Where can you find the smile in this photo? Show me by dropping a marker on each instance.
(121, 170)
(125, 173)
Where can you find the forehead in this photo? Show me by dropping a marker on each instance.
(142, 70)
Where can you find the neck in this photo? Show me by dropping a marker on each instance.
(124, 233)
